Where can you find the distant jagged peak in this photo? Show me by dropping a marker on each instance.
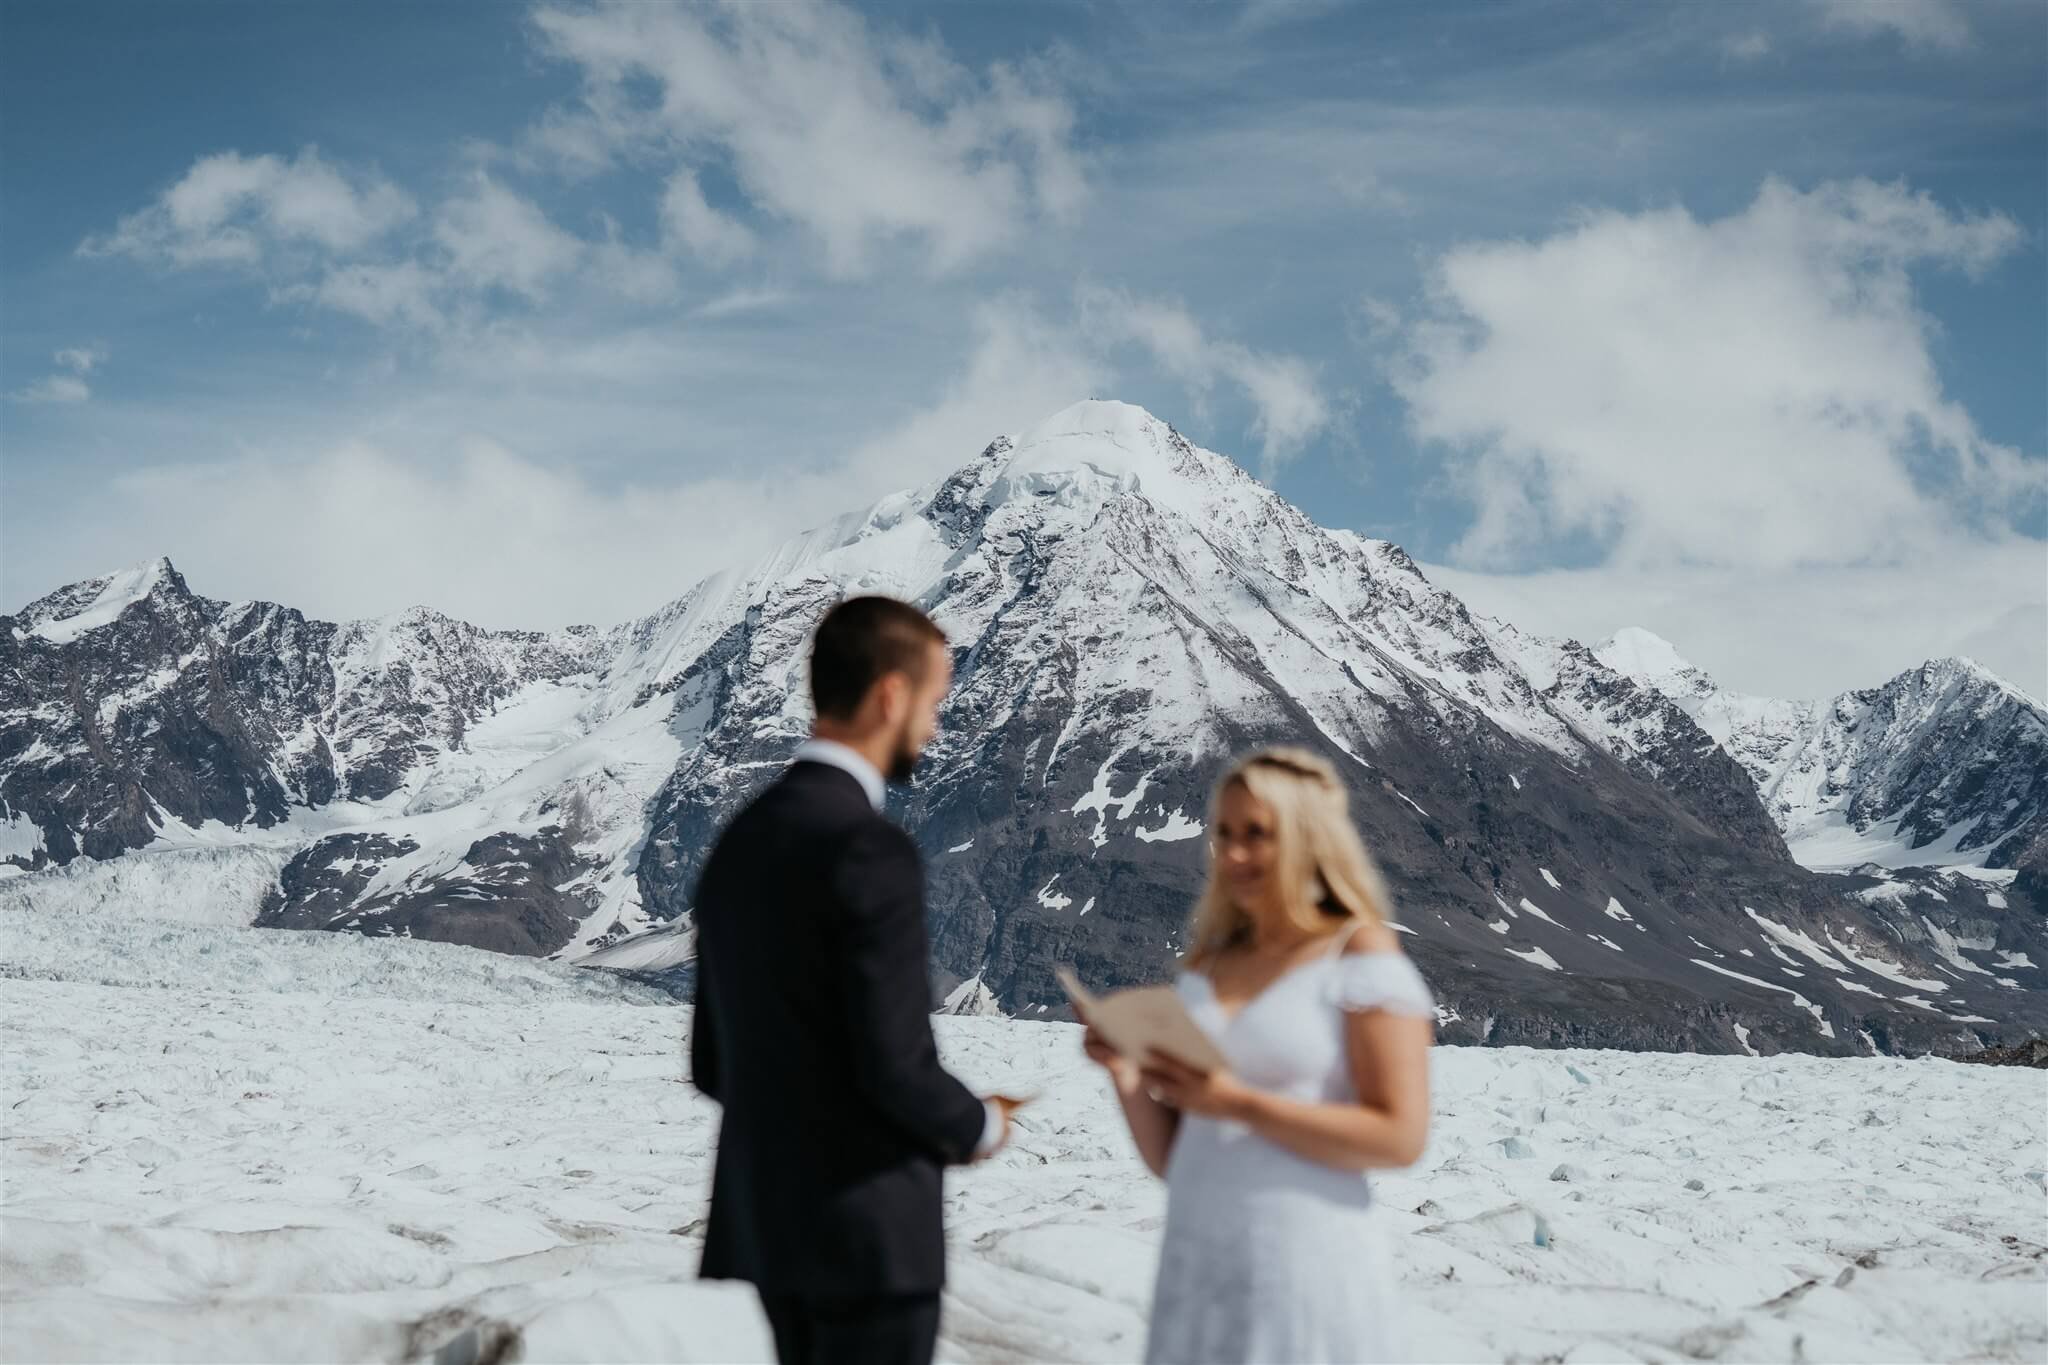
(1105, 420)
(1101, 447)
(1649, 658)
(1960, 674)
(68, 613)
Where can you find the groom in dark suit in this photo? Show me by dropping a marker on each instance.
(812, 1025)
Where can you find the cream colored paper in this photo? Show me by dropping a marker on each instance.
(1144, 1019)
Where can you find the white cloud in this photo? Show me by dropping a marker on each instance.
(403, 293)
(1756, 389)
(308, 230)
(57, 388)
(861, 138)
(1363, 187)
(687, 218)
(1745, 416)
(1023, 368)
(1289, 404)
(408, 514)
(1377, 321)
(365, 529)
(634, 274)
(1747, 47)
(81, 359)
(858, 137)
(1258, 15)
(1917, 23)
(737, 301)
(65, 388)
(232, 209)
(495, 238)
(576, 141)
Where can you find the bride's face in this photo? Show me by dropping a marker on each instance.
(1244, 843)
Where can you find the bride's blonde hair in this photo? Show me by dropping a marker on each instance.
(1324, 872)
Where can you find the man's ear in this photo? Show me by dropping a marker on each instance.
(892, 697)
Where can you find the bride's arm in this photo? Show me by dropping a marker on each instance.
(1153, 1125)
(1387, 1125)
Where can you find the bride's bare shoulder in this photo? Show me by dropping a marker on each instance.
(1373, 936)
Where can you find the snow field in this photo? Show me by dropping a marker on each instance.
(228, 1144)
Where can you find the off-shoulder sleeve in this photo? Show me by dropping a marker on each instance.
(1380, 981)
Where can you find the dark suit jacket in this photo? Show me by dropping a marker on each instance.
(813, 1029)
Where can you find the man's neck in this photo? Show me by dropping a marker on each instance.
(872, 747)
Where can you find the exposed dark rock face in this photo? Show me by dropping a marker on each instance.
(502, 896)
(2031, 872)
(180, 719)
(2033, 1052)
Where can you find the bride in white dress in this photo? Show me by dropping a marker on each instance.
(1273, 1251)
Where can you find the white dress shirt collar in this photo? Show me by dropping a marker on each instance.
(832, 752)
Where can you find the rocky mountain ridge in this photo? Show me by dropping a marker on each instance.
(1576, 857)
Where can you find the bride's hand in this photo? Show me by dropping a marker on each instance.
(1099, 1051)
(1211, 1094)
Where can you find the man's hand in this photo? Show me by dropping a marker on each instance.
(1007, 1106)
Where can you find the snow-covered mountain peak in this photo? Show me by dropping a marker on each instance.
(64, 615)
(1094, 419)
(1648, 658)
(1940, 765)
(1097, 449)
(1957, 670)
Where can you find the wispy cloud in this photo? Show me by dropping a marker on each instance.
(403, 293)
(1922, 24)
(743, 301)
(56, 388)
(687, 217)
(372, 524)
(1747, 47)
(1822, 630)
(65, 388)
(1259, 15)
(495, 238)
(81, 359)
(232, 209)
(859, 137)
(1284, 390)
(344, 240)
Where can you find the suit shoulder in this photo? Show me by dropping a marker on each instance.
(878, 838)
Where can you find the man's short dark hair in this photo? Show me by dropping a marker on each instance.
(861, 640)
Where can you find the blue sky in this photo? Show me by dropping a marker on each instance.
(1725, 320)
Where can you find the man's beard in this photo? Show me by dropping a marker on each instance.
(903, 767)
